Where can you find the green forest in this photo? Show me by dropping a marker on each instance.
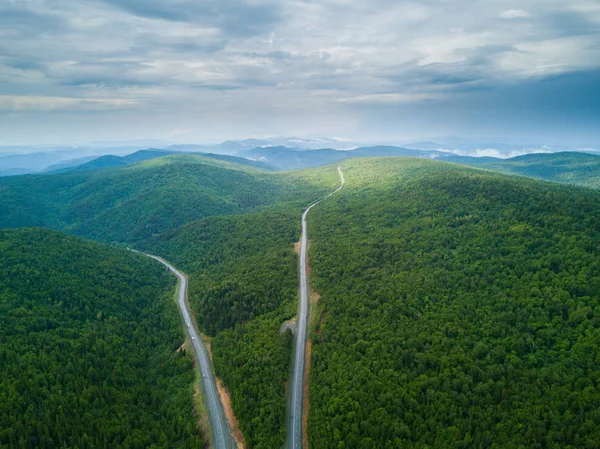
(574, 168)
(243, 271)
(89, 339)
(243, 285)
(143, 200)
(458, 309)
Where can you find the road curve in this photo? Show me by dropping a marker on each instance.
(296, 411)
(223, 438)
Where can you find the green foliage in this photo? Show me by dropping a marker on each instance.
(253, 360)
(458, 308)
(88, 340)
(243, 285)
(142, 200)
(567, 167)
(241, 267)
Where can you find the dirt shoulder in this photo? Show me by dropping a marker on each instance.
(313, 313)
(202, 415)
(226, 401)
(305, 403)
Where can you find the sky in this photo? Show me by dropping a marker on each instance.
(524, 71)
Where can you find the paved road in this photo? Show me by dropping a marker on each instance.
(223, 438)
(295, 415)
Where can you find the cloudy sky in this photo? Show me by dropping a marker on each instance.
(525, 71)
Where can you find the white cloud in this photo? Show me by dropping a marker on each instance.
(515, 14)
(391, 98)
(20, 103)
(551, 56)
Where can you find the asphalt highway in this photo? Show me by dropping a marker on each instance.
(296, 409)
(222, 436)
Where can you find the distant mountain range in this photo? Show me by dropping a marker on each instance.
(20, 160)
(565, 167)
(283, 152)
(482, 149)
(26, 160)
(284, 158)
(110, 161)
(232, 147)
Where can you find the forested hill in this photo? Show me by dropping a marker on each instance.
(575, 168)
(566, 167)
(138, 201)
(88, 347)
(110, 161)
(458, 309)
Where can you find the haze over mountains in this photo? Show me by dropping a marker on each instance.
(23, 160)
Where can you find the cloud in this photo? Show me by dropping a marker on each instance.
(493, 152)
(390, 98)
(515, 14)
(16, 19)
(21, 103)
(272, 67)
(235, 17)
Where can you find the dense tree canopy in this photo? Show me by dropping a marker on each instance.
(88, 348)
(566, 167)
(242, 268)
(459, 309)
(243, 285)
(137, 202)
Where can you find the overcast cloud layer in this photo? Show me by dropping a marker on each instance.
(378, 70)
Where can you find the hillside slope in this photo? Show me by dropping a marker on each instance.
(138, 201)
(575, 168)
(230, 227)
(110, 161)
(566, 167)
(89, 337)
(458, 308)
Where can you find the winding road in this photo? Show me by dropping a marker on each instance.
(296, 409)
(223, 438)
